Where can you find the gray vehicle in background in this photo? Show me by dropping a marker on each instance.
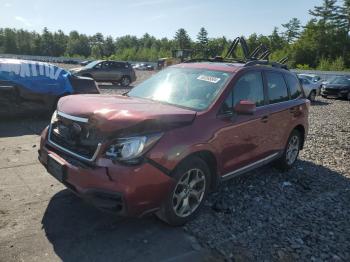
(108, 71)
(311, 86)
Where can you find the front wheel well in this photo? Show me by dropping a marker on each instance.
(209, 158)
(301, 130)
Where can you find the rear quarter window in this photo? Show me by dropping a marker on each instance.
(294, 86)
(277, 88)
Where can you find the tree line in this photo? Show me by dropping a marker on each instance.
(322, 43)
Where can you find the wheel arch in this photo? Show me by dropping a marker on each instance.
(209, 158)
(301, 130)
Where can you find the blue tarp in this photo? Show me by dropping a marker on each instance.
(38, 77)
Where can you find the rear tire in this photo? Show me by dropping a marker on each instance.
(348, 96)
(291, 151)
(188, 194)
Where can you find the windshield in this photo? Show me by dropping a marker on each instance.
(92, 64)
(305, 76)
(184, 87)
(340, 80)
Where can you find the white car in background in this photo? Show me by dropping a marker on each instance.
(311, 85)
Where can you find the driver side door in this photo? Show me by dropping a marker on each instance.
(244, 139)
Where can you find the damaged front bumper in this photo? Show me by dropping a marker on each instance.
(121, 189)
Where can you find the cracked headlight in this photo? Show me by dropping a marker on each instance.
(130, 149)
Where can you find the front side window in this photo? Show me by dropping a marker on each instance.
(294, 86)
(277, 88)
(249, 87)
(106, 65)
(186, 87)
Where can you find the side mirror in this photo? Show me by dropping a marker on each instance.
(245, 107)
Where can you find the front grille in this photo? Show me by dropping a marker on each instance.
(331, 91)
(73, 137)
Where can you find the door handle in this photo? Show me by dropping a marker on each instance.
(264, 119)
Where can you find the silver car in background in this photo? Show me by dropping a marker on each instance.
(311, 85)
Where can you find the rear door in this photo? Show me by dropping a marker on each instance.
(280, 108)
(116, 72)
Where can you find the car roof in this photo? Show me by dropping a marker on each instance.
(233, 67)
(216, 66)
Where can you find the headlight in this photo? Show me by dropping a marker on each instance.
(131, 148)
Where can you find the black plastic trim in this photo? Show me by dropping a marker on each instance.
(158, 166)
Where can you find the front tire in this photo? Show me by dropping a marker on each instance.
(291, 151)
(125, 81)
(189, 193)
(312, 96)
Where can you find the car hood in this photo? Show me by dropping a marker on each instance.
(125, 115)
(336, 86)
(76, 69)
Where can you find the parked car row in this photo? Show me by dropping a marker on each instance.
(336, 87)
(143, 66)
(116, 72)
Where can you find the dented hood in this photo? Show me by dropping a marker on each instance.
(122, 113)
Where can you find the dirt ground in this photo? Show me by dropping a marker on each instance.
(40, 220)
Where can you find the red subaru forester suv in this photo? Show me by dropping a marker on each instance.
(164, 145)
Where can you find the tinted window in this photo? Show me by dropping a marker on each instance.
(249, 87)
(97, 66)
(105, 65)
(277, 88)
(115, 65)
(294, 87)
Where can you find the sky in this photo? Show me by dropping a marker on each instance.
(161, 18)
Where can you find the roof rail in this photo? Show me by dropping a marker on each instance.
(215, 59)
(265, 62)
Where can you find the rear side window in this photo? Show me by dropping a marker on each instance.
(277, 88)
(294, 86)
(249, 87)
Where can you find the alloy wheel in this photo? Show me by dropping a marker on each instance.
(125, 81)
(189, 192)
(292, 149)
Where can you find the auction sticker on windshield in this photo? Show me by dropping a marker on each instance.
(210, 79)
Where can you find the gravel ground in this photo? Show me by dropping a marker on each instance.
(300, 215)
